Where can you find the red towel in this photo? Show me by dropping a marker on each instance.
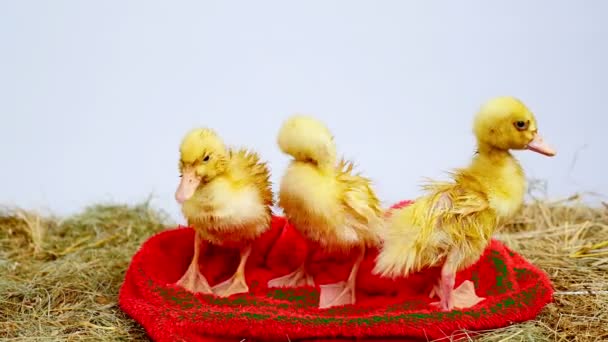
(514, 289)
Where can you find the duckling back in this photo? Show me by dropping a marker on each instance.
(321, 197)
(452, 217)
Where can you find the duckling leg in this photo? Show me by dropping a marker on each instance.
(297, 278)
(236, 283)
(445, 291)
(449, 298)
(341, 293)
(193, 280)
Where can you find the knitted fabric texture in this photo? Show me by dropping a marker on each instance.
(514, 291)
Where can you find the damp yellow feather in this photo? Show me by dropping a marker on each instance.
(233, 201)
(460, 216)
(323, 197)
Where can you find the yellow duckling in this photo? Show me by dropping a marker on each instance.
(326, 202)
(454, 222)
(226, 197)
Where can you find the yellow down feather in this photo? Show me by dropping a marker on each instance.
(233, 202)
(460, 216)
(325, 199)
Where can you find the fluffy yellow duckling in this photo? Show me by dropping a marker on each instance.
(226, 197)
(326, 202)
(453, 223)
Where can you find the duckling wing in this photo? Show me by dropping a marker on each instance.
(361, 204)
(456, 200)
(247, 168)
(462, 216)
(459, 202)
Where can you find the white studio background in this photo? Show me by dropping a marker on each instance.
(95, 96)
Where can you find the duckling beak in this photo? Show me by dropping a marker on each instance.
(540, 146)
(187, 186)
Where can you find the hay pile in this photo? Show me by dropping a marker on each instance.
(59, 279)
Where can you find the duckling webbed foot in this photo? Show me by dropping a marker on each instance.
(341, 293)
(193, 280)
(297, 278)
(465, 296)
(449, 298)
(235, 284)
(462, 297)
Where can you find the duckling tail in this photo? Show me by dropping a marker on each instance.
(307, 139)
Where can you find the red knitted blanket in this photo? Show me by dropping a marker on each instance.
(514, 289)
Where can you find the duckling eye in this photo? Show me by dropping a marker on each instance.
(206, 158)
(521, 125)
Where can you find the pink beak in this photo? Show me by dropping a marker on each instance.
(187, 186)
(538, 145)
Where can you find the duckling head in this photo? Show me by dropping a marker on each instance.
(505, 123)
(203, 157)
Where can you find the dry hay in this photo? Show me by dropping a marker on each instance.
(60, 278)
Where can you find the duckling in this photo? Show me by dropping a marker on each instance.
(226, 197)
(326, 202)
(453, 223)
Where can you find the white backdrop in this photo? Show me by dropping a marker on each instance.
(95, 96)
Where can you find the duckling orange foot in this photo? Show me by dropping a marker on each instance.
(460, 298)
(236, 284)
(342, 293)
(296, 278)
(465, 297)
(194, 281)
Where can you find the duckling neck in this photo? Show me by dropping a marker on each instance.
(490, 153)
(501, 178)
